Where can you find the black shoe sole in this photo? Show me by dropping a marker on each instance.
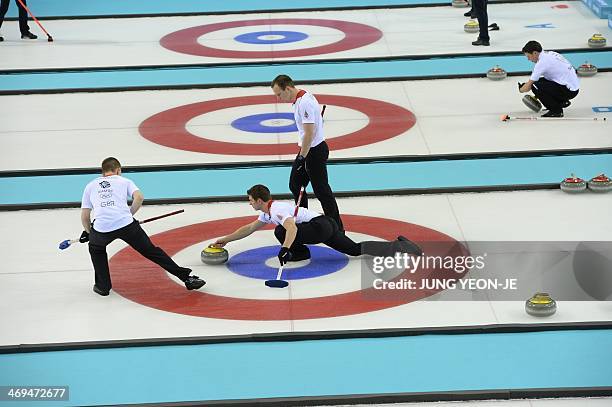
(195, 286)
(411, 247)
(100, 292)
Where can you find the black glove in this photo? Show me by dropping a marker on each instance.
(84, 237)
(520, 85)
(284, 255)
(300, 163)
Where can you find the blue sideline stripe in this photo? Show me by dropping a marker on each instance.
(65, 8)
(428, 363)
(237, 74)
(344, 177)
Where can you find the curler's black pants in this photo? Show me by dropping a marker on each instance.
(552, 95)
(479, 9)
(324, 229)
(136, 237)
(23, 15)
(315, 172)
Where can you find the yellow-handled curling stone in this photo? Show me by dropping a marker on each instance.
(597, 41)
(471, 27)
(214, 255)
(541, 305)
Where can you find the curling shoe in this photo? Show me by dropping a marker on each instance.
(194, 283)
(28, 36)
(100, 291)
(550, 113)
(480, 41)
(408, 246)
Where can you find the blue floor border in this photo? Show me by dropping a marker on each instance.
(247, 371)
(261, 74)
(118, 8)
(226, 183)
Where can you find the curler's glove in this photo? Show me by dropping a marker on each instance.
(300, 163)
(84, 237)
(520, 85)
(284, 255)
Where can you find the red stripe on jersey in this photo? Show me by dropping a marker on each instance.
(299, 95)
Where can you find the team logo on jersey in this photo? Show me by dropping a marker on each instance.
(279, 217)
(306, 115)
(105, 184)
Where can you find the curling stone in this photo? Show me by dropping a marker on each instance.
(586, 70)
(532, 103)
(540, 305)
(459, 3)
(497, 73)
(214, 255)
(471, 27)
(573, 184)
(600, 183)
(597, 41)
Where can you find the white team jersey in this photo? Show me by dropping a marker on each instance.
(281, 211)
(306, 109)
(108, 196)
(556, 68)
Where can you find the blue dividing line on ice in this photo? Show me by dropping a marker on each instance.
(234, 75)
(345, 177)
(249, 370)
(71, 8)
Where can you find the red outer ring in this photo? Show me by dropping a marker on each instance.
(186, 41)
(168, 128)
(141, 281)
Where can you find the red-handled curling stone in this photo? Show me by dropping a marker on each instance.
(573, 184)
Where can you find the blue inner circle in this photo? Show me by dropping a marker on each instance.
(253, 123)
(254, 37)
(252, 263)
